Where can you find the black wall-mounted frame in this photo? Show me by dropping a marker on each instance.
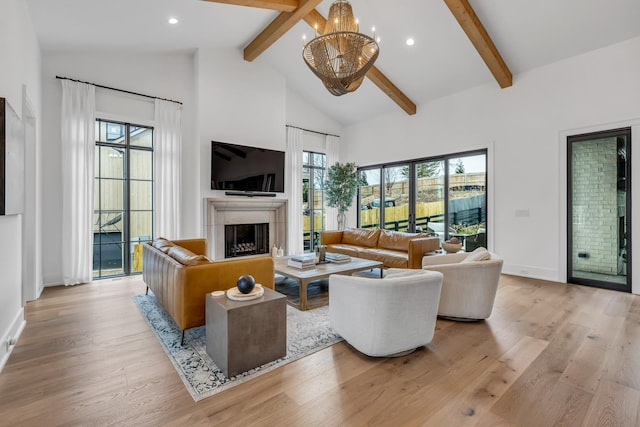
(623, 182)
(12, 142)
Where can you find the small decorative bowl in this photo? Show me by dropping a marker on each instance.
(451, 247)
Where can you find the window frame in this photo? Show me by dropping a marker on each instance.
(127, 147)
(412, 163)
(310, 164)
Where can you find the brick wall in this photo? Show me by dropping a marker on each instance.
(595, 211)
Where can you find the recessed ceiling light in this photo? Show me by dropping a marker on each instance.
(410, 41)
(173, 21)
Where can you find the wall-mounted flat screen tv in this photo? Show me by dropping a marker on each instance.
(243, 168)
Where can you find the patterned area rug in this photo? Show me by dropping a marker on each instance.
(307, 332)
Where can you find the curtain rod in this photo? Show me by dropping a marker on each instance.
(313, 131)
(118, 90)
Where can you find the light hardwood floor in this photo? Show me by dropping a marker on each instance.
(550, 354)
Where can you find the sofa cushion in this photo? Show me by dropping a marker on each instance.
(361, 237)
(186, 257)
(163, 244)
(397, 240)
(480, 254)
(390, 258)
(344, 249)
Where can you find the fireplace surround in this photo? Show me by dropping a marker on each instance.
(224, 211)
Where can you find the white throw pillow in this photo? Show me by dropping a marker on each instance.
(480, 254)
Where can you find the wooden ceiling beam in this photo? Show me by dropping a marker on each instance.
(315, 20)
(391, 90)
(471, 25)
(277, 28)
(306, 11)
(279, 5)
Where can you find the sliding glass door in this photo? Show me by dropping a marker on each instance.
(445, 196)
(599, 209)
(467, 201)
(368, 193)
(395, 203)
(430, 196)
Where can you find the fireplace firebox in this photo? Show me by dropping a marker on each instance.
(246, 239)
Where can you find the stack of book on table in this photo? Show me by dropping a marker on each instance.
(303, 260)
(337, 258)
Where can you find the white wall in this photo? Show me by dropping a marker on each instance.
(163, 75)
(246, 103)
(238, 102)
(302, 114)
(20, 69)
(526, 125)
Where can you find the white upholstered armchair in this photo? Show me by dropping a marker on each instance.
(469, 287)
(391, 316)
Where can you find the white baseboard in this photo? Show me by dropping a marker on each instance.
(531, 272)
(50, 285)
(14, 332)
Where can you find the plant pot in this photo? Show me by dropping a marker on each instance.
(342, 219)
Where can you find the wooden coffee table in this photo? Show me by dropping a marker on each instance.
(320, 271)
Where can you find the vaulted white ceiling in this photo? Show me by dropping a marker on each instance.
(528, 34)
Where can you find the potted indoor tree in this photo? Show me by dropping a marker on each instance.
(340, 188)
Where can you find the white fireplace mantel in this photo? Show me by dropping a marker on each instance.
(221, 211)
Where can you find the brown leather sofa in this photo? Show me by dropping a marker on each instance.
(180, 276)
(394, 249)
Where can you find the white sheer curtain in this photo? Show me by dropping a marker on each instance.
(332, 148)
(167, 154)
(78, 154)
(294, 163)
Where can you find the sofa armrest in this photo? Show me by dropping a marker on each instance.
(197, 246)
(194, 282)
(420, 246)
(330, 237)
(467, 271)
(261, 268)
(453, 268)
(222, 275)
(401, 272)
(442, 259)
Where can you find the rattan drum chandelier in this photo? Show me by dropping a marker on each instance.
(341, 56)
